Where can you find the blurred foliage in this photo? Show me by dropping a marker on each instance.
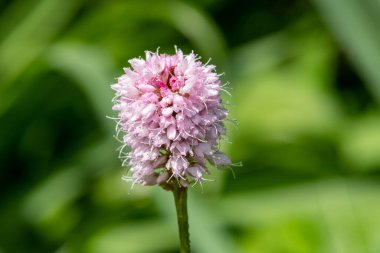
(306, 90)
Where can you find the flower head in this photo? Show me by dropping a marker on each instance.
(171, 115)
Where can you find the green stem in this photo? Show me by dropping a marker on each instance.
(180, 198)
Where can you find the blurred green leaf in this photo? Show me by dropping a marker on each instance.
(341, 207)
(202, 33)
(352, 24)
(294, 235)
(360, 142)
(144, 237)
(45, 205)
(93, 70)
(282, 97)
(31, 36)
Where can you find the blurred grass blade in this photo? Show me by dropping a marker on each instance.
(194, 24)
(354, 28)
(31, 36)
(46, 202)
(199, 29)
(94, 72)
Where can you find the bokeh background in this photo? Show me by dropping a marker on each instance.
(305, 79)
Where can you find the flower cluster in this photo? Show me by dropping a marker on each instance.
(171, 115)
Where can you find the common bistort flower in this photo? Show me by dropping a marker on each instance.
(171, 115)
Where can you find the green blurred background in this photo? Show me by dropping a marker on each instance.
(305, 80)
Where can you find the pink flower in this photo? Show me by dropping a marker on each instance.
(171, 114)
